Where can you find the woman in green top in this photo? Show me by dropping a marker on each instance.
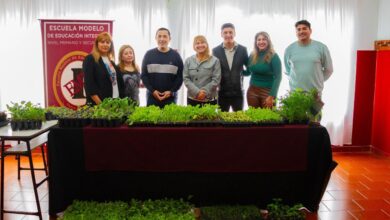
(265, 69)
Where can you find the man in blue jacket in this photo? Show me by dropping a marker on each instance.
(232, 57)
(162, 71)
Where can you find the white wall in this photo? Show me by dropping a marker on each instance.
(373, 23)
(366, 27)
(384, 20)
(365, 33)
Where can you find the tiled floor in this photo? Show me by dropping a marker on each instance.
(19, 195)
(359, 189)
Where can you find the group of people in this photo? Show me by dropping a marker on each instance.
(215, 78)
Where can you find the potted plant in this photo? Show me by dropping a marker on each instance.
(163, 209)
(49, 113)
(84, 115)
(236, 119)
(296, 106)
(65, 117)
(264, 116)
(144, 116)
(207, 115)
(3, 116)
(230, 212)
(3, 119)
(175, 115)
(112, 112)
(278, 211)
(26, 115)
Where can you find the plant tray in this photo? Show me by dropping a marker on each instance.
(238, 124)
(106, 122)
(26, 125)
(302, 122)
(143, 124)
(4, 123)
(270, 123)
(204, 123)
(73, 122)
(50, 116)
(171, 124)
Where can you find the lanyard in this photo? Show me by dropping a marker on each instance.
(111, 71)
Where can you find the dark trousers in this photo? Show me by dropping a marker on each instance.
(150, 100)
(194, 102)
(237, 103)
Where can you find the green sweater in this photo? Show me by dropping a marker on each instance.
(265, 75)
(308, 66)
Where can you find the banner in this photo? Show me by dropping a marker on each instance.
(65, 44)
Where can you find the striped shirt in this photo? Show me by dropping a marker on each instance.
(162, 71)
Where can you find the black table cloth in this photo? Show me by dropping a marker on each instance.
(212, 165)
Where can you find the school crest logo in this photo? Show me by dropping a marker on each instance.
(68, 80)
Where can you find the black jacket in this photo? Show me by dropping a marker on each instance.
(231, 80)
(97, 80)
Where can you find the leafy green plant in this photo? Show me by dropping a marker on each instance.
(238, 116)
(263, 115)
(149, 206)
(279, 211)
(164, 209)
(84, 112)
(26, 111)
(94, 210)
(61, 112)
(16, 110)
(176, 113)
(170, 209)
(149, 114)
(296, 106)
(236, 212)
(112, 109)
(206, 112)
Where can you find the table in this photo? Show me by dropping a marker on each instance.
(213, 165)
(31, 139)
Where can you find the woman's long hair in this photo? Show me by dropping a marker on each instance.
(121, 63)
(269, 51)
(95, 50)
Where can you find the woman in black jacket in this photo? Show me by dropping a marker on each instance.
(100, 73)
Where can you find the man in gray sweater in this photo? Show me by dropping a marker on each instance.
(232, 57)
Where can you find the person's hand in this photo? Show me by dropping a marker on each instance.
(157, 95)
(201, 95)
(165, 95)
(269, 102)
(96, 99)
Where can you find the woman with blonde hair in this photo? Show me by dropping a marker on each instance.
(130, 72)
(100, 72)
(265, 68)
(201, 74)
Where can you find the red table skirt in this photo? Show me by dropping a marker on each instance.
(205, 149)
